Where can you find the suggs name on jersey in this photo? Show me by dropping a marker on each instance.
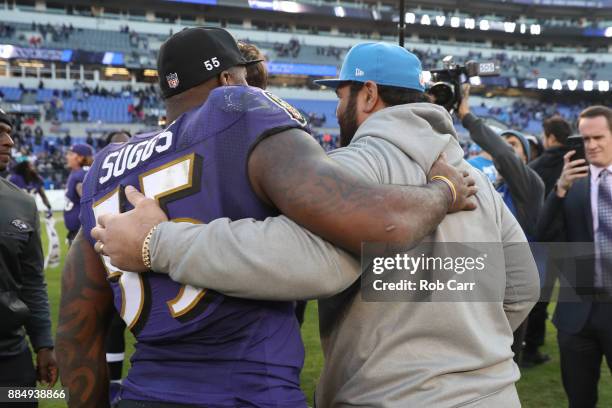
(128, 157)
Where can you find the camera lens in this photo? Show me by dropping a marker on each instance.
(443, 93)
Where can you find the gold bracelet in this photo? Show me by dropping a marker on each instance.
(449, 184)
(146, 253)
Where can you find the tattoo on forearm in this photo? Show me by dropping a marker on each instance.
(327, 190)
(322, 190)
(85, 308)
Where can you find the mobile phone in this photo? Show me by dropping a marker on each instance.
(575, 143)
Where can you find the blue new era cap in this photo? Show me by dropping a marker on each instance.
(382, 63)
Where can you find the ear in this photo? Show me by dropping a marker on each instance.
(370, 96)
(224, 78)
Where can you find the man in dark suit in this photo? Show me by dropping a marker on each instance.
(579, 209)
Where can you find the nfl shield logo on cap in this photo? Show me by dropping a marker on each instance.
(173, 80)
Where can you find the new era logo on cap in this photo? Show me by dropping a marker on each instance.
(173, 80)
(359, 72)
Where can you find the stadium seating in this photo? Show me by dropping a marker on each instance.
(86, 39)
(44, 95)
(140, 48)
(11, 94)
(109, 110)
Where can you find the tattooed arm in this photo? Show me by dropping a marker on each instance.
(291, 171)
(85, 312)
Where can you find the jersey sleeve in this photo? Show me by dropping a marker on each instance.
(274, 116)
(249, 114)
(86, 215)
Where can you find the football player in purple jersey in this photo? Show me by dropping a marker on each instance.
(78, 159)
(230, 151)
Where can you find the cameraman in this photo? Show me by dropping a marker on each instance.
(521, 187)
(24, 306)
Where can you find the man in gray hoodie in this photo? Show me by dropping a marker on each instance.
(377, 354)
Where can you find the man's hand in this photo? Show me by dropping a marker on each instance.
(572, 171)
(465, 186)
(124, 234)
(46, 367)
(464, 106)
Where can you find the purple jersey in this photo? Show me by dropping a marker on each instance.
(30, 187)
(196, 346)
(73, 201)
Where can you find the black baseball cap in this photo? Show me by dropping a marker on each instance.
(195, 55)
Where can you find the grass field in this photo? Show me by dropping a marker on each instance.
(539, 387)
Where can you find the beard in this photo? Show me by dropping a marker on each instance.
(348, 122)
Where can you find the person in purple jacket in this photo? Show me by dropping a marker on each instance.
(78, 159)
(26, 178)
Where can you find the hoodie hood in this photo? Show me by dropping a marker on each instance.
(521, 137)
(421, 130)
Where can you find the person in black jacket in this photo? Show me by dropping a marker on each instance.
(520, 186)
(548, 166)
(24, 305)
(550, 163)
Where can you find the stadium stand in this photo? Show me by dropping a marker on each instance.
(116, 38)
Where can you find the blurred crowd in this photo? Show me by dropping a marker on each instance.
(332, 51)
(6, 30)
(521, 112)
(316, 119)
(48, 160)
(290, 49)
(54, 32)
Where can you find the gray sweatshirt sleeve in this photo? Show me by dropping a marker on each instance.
(274, 259)
(522, 278)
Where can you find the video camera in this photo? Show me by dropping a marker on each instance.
(446, 82)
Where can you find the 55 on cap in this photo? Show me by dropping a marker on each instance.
(195, 55)
(381, 63)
